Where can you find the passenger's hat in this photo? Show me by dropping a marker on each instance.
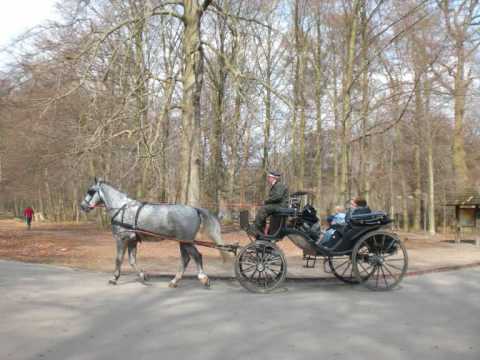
(274, 174)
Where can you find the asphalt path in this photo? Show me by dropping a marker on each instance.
(49, 312)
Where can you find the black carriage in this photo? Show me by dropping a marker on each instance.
(362, 251)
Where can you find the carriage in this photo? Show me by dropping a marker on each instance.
(362, 251)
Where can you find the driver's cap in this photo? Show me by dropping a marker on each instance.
(274, 174)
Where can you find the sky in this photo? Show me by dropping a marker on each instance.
(17, 16)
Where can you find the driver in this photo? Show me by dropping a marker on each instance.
(277, 198)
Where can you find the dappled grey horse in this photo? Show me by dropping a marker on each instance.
(133, 221)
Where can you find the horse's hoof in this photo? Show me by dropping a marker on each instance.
(142, 277)
(112, 282)
(172, 285)
(206, 282)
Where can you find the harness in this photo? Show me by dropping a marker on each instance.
(122, 222)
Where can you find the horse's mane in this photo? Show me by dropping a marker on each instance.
(101, 182)
(127, 195)
(107, 183)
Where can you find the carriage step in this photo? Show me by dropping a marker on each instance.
(310, 261)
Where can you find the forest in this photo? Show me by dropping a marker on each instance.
(193, 101)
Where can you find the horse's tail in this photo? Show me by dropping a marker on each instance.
(211, 226)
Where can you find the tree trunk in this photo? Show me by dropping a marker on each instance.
(418, 196)
(164, 128)
(459, 163)
(233, 164)
(299, 96)
(419, 121)
(406, 218)
(216, 174)
(365, 107)
(391, 187)
(192, 80)
(430, 161)
(318, 185)
(459, 18)
(141, 97)
(346, 103)
(336, 185)
(268, 115)
(244, 166)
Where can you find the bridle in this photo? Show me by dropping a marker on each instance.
(92, 193)
(102, 204)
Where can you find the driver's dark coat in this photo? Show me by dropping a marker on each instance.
(278, 195)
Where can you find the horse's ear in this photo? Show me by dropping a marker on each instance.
(95, 179)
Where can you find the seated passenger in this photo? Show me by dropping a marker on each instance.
(339, 216)
(358, 205)
(326, 236)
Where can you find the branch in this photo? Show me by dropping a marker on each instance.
(163, 13)
(381, 50)
(404, 110)
(217, 9)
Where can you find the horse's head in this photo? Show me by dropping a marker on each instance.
(93, 197)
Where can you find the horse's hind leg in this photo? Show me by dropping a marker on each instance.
(121, 248)
(184, 260)
(132, 259)
(197, 257)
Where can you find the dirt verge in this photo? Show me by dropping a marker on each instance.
(84, 246)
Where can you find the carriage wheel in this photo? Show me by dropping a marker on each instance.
(342, 268)
(380, 260)
(260, 267)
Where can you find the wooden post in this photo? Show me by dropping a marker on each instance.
(477, 225)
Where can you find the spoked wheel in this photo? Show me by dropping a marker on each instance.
(379, 260)
(342, 268)
(260, 267)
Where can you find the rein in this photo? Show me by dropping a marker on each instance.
(97, 206)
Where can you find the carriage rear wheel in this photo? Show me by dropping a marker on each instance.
(260, 267)
(341, 267)
(379, 260)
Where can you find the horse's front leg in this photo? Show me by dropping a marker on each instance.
(132, 259)
(121, 248)
(184, 260)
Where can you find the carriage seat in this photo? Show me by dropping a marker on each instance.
(365, 219)
(277, 220)
(372, 218)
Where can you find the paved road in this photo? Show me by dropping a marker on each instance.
(49, 312)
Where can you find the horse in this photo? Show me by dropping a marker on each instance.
(133, 221)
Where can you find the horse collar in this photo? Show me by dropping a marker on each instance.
(122, 222)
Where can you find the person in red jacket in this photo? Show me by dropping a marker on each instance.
(28, 214)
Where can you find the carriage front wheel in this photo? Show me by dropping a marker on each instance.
(379, 260)
(260, 267)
